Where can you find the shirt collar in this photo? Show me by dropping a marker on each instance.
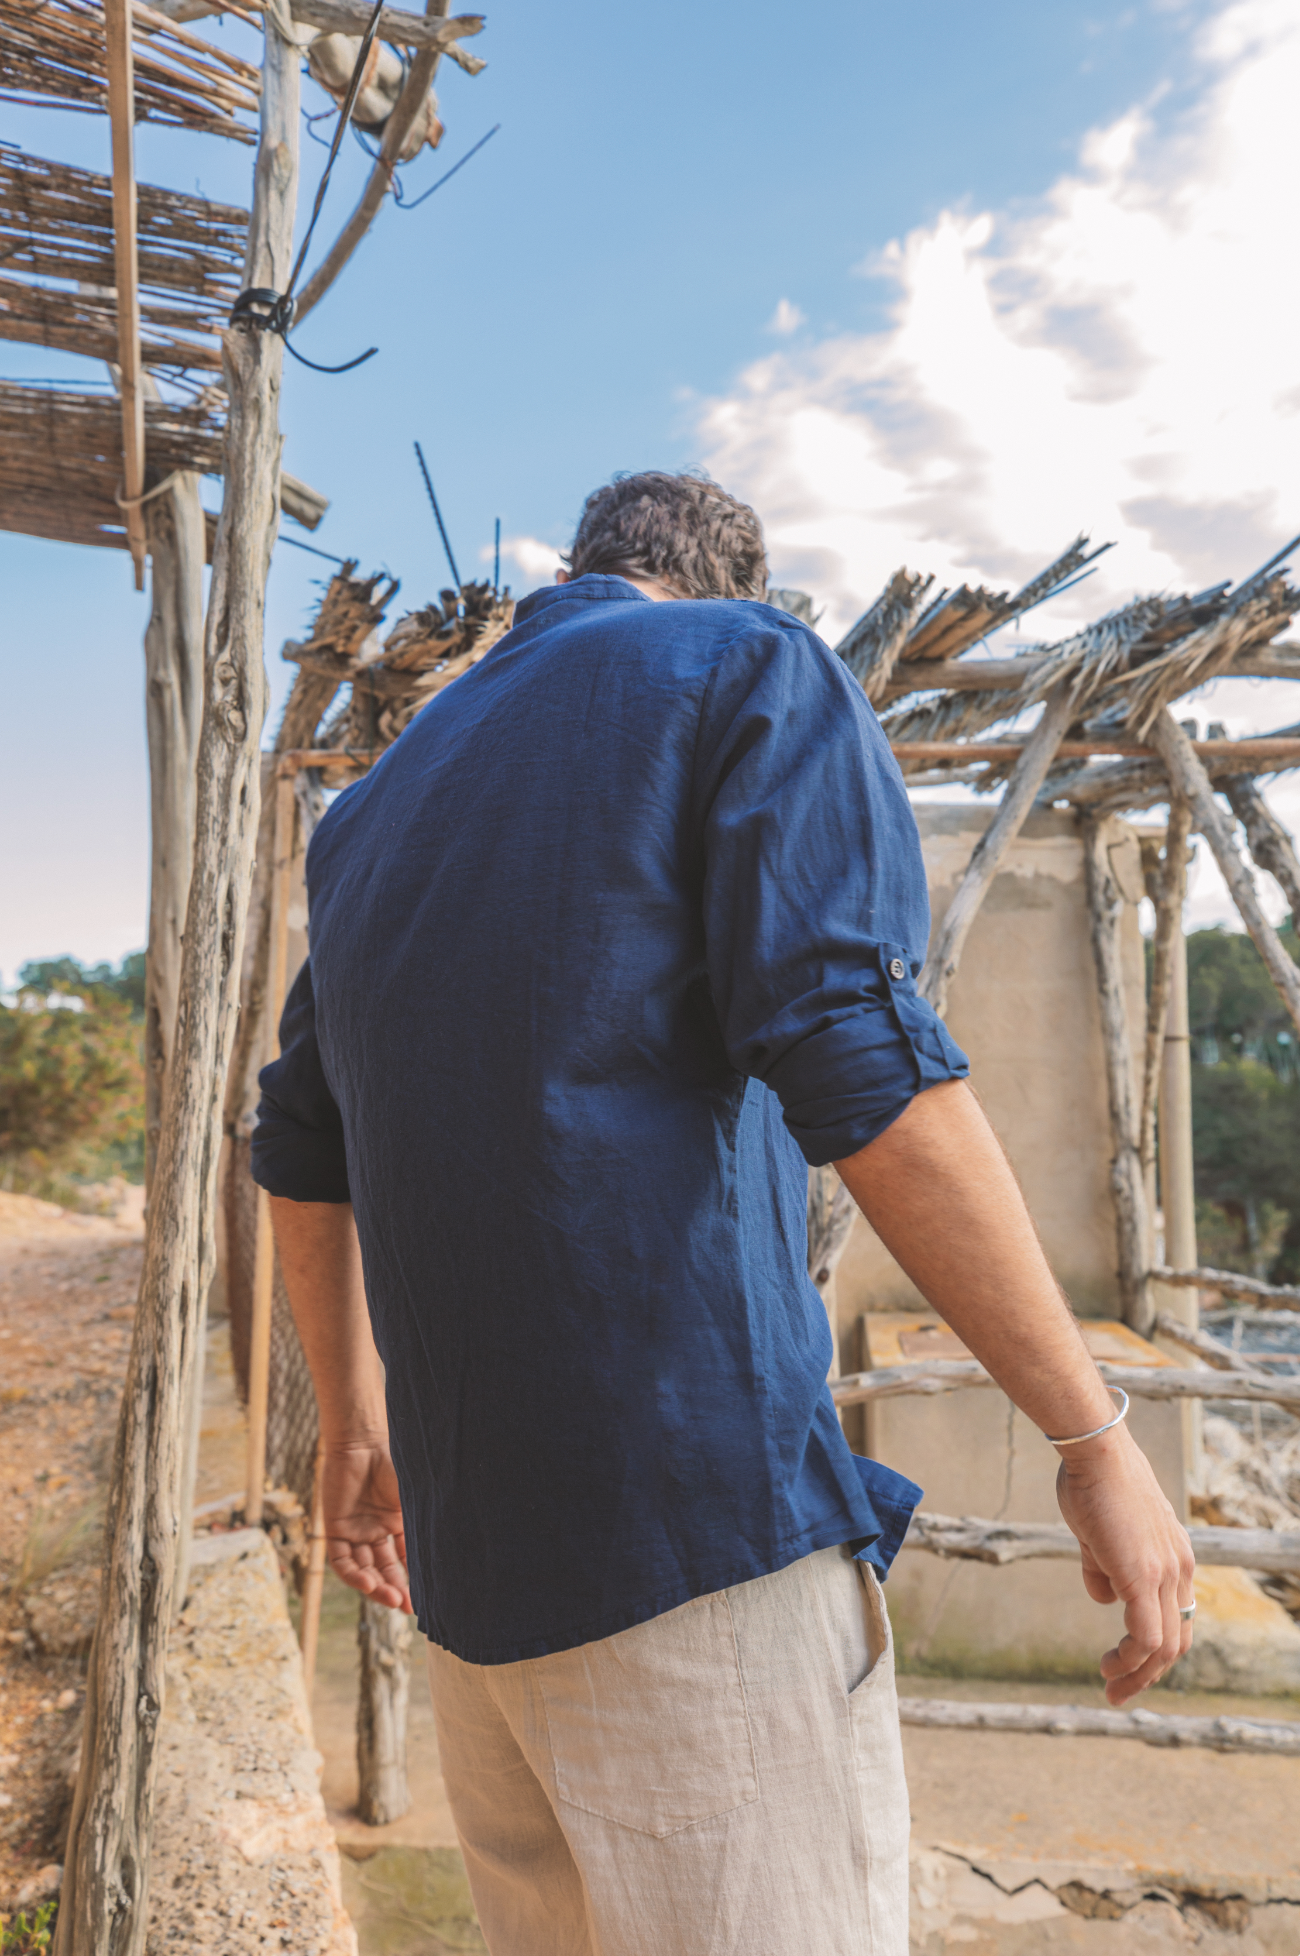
(591, 587)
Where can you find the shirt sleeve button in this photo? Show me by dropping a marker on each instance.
(897, 969)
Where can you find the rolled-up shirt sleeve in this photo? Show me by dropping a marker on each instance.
(815, 905)
(298, 1148)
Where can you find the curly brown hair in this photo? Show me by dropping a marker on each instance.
(682, 529)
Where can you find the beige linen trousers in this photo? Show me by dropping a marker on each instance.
(724, 1780)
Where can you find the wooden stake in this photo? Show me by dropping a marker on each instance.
(1128, 1184)
(104, 1900)
(1188, 778)
(121, 115)
(1168, 894)
(1035, 758)
(259, 1353)
(384, 1641)
(313, 1588)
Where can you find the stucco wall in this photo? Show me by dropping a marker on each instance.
(1024, 1007)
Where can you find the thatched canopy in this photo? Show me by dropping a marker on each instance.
(61, 459)
(52, 52)
(56, 245)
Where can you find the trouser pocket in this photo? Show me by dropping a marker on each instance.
(649, 1728)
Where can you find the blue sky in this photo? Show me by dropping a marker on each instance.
(723, 235)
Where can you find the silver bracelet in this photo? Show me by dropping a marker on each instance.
(1076, 1438)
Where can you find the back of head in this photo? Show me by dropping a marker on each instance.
(682, 529)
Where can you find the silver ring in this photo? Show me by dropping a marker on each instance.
(1188, 1612)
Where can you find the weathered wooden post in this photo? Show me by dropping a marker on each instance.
(384, 1641)
(106, 1876)
(1127, 1181)
(173, 660)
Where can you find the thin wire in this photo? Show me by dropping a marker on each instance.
(312, 548)
(345, 113)
(442, 528)
(416, 202)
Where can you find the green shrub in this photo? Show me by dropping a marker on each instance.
(71, 1081)
(28, 1937)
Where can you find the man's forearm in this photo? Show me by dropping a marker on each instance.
(321, 1261)
(938, 1191)
(941, 1196)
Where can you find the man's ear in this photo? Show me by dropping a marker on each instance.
(562, 577)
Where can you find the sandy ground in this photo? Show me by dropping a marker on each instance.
(67, 1300)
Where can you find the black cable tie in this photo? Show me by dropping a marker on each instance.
(277, 318)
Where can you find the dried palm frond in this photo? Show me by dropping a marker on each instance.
(870, 649)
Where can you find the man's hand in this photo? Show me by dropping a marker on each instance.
(321, 1261)
(939, 1192)
(1135, 1552)
(363, 1524)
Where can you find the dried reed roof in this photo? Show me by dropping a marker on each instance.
(1121, 671)
(53, 51)
(56, 246)
(61, 459)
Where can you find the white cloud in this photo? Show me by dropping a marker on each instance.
(786, 319)
(537, 561)
(1120, 359)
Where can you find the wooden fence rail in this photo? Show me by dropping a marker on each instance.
(1280, 1737)
(1139, 1381)
(1269, 1551)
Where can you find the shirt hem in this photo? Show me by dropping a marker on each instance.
(829, 1535)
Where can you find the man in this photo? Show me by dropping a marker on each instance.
(621, 934)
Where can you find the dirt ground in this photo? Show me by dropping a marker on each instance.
(67, 1301)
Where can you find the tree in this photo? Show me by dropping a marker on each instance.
(1245, 1096)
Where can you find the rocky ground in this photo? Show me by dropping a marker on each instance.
(67, 1300)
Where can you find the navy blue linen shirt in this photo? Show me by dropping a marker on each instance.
(622, 931)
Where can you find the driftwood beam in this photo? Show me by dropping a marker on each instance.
(1266, 838)
(1213, 1350)
(295, 759)
(969, 1538)
(434, 31)
(1230, 1283)
(1188, 777)
(931, 1375)
(1034, 760)
(998, 675)
(1266, 751)
(1280, 1737)
(104, 1900)
(407, 107)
